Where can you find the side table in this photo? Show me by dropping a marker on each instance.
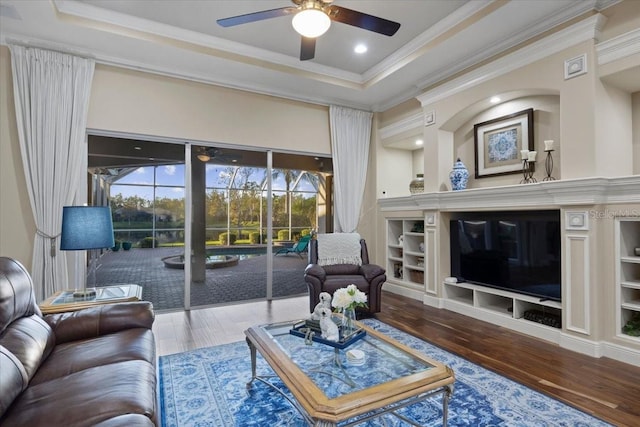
(63, 301)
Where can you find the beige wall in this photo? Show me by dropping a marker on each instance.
(141, 103)
(546, 125)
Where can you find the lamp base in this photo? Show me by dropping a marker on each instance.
(85, 293)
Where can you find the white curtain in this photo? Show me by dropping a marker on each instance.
(51, 95)
(350, 138)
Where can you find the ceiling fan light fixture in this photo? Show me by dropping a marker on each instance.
(204, 157)
(311, 23)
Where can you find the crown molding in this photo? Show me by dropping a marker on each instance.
(410, 123)
(131, 26)
(524, 35)
(619, 47)
(457, 17)
(586, 29)
(100, 58)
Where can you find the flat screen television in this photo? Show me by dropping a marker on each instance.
(514, 251)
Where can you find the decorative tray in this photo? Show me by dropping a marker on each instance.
(303, 328)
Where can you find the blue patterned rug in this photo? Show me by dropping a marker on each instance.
(207, 387)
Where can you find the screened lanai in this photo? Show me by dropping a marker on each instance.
(239, 208)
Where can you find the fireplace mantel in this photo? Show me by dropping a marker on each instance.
(570, 192)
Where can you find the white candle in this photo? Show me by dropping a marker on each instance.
(532, 156)
(524, 154)
(548, 145)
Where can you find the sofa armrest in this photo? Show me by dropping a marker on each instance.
(100, 320)
(371, 271)
(316, 271)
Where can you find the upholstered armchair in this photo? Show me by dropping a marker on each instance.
(327, 272)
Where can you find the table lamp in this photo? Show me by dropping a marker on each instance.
(86, 228)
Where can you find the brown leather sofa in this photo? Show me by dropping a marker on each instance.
(369, 278)
(93, 367)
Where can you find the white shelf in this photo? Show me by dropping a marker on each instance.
(627, 238)
(403, 260)
(631, 284)
(500, 304)
(632, 305)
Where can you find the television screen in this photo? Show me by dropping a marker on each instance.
(514, 251)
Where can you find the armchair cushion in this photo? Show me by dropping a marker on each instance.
(341, 269)
(370, 271)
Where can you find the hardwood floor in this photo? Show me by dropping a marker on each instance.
(603, 387)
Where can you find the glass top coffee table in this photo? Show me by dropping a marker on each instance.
(330, 387)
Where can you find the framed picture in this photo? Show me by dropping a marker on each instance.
(498, 143)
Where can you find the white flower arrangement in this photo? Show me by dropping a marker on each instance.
(348, 298)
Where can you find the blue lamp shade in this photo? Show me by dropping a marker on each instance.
(86, 227)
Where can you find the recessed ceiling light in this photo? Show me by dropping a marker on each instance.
(494, 100)
(419, 142)
(137, 148)
(360, 48)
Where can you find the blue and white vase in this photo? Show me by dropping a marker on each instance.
(459, 176)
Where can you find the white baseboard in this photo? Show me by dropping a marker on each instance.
(401, 290)
(620, 353)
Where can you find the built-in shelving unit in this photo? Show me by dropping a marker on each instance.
(405, 252)
(532, 315)
(627, 233)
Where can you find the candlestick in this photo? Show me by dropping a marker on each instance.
(548, 145)
(527, 172)
(548, 166)
(524, 154)
(531, 156)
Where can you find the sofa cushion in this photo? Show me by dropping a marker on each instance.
(30, 340)
(100, 320)
(131, 344)
(16, 293)
(13, 379)
(88, 397)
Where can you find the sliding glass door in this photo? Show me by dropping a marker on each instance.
(206, 225)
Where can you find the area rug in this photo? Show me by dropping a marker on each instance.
(207, 387)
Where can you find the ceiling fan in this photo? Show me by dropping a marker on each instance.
(312, 18)
(205, 154)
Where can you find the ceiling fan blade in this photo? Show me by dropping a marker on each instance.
(307, 48)
(255, 16)
(363, 20)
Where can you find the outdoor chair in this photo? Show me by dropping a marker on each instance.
(331, 271)
(298, 248)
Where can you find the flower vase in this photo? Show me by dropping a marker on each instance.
(348, 322)
(459, 176)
